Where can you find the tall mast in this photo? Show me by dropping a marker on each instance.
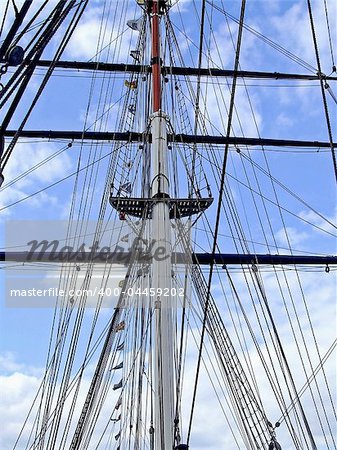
(162, 270)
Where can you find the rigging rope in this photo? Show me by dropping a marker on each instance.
(132, 400)
(4, 17)
(329, 34)
(268, 41)
(59, 17)
(286, 363)
(311, 378)
(321, 79)
(218, 214)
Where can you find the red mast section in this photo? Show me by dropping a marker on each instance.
(156, 62)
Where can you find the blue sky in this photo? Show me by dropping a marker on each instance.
(294, 111)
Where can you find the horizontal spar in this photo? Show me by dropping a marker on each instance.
(178, 138)
(238, 259)
(124, 257)
(191, 71)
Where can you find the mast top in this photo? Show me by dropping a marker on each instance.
(162, 5)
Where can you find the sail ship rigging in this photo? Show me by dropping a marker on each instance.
(185, 310)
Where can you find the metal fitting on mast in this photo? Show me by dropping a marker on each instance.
(163, 5)
(159, 165)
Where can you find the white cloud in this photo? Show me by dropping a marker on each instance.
(24, 157)
(312, 217)
(94, 34)
(18, 391)
(209, 426)
(180, 6)
(290, 236)
(283, 121)
(293, 30)
(217, 102)
(9, 364)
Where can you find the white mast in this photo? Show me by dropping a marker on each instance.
(161, 269)
(161, 282)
